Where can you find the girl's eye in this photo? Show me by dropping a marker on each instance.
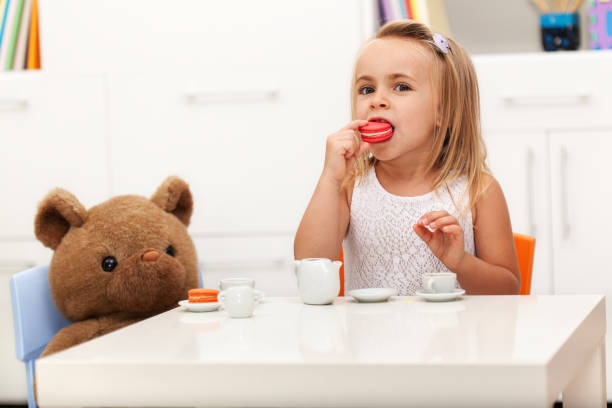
(365, 90)
(402, 87)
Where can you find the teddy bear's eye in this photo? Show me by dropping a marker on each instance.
(109, 263)
(169, 250)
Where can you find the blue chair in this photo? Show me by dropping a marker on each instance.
(35, 318)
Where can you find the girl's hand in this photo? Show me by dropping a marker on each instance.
(341, 151)
(444, 237)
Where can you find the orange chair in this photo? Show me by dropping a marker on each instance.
(525, 250)
(341, 273)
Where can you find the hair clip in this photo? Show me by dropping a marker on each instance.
(441, 42)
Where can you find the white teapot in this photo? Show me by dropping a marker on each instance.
(318, 280)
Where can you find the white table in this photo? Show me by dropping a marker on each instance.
(479, 351)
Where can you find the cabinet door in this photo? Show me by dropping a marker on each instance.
(53, 133)
(519, 161)
(582, 192)
(13, 389)
(581, 195)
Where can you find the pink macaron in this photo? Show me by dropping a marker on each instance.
(376, 132)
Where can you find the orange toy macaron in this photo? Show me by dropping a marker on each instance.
(202, 295)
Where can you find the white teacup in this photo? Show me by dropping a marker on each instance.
(443, 282)
(231, 282)
(318, 280)
(239, 301)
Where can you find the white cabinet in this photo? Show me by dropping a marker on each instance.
(520, 162)
(532, 106)
(53, 133)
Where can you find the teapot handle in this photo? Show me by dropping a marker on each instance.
(296, 265)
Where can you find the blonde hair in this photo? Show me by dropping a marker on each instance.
(458, 148)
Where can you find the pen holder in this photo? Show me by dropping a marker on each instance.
(560, 31)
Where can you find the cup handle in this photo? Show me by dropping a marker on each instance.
(429, 286)
(258, 295)
(221, 296)
(296, 266)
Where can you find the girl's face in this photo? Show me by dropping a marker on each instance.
(394, 83)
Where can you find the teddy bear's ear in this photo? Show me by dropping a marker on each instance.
(174, 196)
(57, 212)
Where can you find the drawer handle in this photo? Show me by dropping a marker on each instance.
(206, 97)
(566, 229)
(525, 98)
(16, 266)
(245, 264)
(13, 104)
(531, 191)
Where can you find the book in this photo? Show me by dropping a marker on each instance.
(33, 59)
(3, 12)
(13, 35)
(396, 12)
(403, 11)
(433, 13)
(409, 14)
(19, 61)
(387, 13)
(11, 6)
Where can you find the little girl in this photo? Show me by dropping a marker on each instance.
(424, 200)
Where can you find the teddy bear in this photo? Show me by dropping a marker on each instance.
(119, 262)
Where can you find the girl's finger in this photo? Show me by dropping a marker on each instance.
(422, 233)
(453, 229)
(431, 216)
(355, 124)
(442, 221)
(349, 148)
(362, 148)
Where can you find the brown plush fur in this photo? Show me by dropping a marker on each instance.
(127, 228)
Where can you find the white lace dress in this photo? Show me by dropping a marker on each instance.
(381, 250)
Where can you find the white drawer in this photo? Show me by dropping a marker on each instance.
(53, 135)
(267, 259)
(560, 90)
(149, 35)
(251, 148)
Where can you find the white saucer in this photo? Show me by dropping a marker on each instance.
(200, 307)
(369, 295)
(440, 297)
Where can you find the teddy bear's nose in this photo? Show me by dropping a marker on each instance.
(150, 256)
